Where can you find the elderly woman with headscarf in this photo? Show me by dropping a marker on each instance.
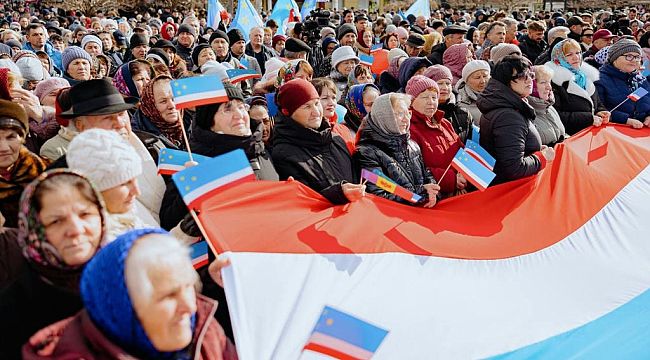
(18, 165)
(130, 78)
(358, 100)
(459, 118)
(388, 79)
(455, 58)
(166, 320)
(619, 78)
(434, 134)
(576, 98)
(385, 145)
(475, 76)
(61, 227)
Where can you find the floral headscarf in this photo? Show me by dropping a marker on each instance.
(393, 66)
(455, 58)
(41, 255)
(558, 57)
(123, 79)
(173, 131)
(601, 55)
(288, 71)
(354, 100)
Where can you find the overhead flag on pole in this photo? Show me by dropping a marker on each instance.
(214, 13)
(197, 91)
(419, 7)
(281, 12)
(246, 18)
(307, 7)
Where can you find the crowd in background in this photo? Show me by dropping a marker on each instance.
(86, 105)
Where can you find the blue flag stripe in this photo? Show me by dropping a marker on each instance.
(196, 84)
(350, 329)
(482, 152)
(178, 157)
(483, 173)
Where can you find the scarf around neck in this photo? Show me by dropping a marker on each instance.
(172, 131)
(559, 58)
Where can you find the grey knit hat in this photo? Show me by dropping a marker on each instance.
(622, 47)
(71, 53)
(502, 50)
(382, 117)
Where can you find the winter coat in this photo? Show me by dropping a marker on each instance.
(313, 157)
(466, 100)
(341, 82)
(262, 57)
(613, 88)
(547, 121)
(439, 144)
(208, 143)
(575, 105)
(398, 157)
(58, 145)
(28, 304)
(436, 53)
(387, 83)
(459, 118)
(78, 337)
(508, 133)
(185, 53)
(545, 56)
(589, 57)
(532, 49)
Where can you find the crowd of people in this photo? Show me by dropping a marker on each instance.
(86, 105)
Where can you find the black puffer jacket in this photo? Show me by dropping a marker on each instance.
(508, 133)
(313, 157)
(460, 119)
(398, 157)
(208, 143)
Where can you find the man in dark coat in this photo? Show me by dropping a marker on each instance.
(601, 39)
(533, 44)
(185, 43)
(454, 34)
(575, 24)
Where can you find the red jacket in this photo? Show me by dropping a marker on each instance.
(77, 338)
(439, 144)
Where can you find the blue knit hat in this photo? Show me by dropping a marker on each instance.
(106, 298)
(71, 53)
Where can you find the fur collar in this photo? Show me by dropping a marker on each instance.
(562, 75)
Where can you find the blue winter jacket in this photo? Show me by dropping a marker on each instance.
(54, 54)
(613, 89)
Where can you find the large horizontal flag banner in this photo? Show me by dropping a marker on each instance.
(171, 161)
(473, 170)
(541, 267)
(197, 91)
(198, 183)
(343, 336)
(199, 254)
(385, 183)
(480, 154)
(237, 75)
(366, 60)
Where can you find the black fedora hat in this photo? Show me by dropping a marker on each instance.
(97, 97)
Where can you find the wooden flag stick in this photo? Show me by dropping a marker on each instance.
(187, 142)
(203, 232)
(444, 173)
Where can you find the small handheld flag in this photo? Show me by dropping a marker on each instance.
(197, 91)
(646, 68)
(385, 183)
(343, 336)
(171, 161)
(243, 63)
(237, 75)
(198, 183)
(366, 60)
(199, 254)
(476, 133)
(472, 170)
(480, 154)
(376, 48)
(638, 94)
(340, 113)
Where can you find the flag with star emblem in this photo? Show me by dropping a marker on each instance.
(307, 7)
(246, 18)
(472, 169)
(282, 12)
(237, 75)
(198, 90)
(366, 60)
(198, 183)
(480, 154)
(171, 161)
(343, 336)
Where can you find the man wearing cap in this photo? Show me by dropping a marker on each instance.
(414, 44)
(587, 17)
(295, 49)
(237, 49)
(601, 39)
(139, 46)
(37, 41)
(575, 24)
(347, 35)
(96, 104)
(185, 43)
(361, 23)
(453, 34)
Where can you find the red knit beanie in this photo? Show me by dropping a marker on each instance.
(295, 93)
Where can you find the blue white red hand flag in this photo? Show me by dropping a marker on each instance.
(198, 183)
(376, 47)
(474, 171)
(197, 91)
(243, 63)
(343, 336)
(199, 254)
(366, 60)
(480, 154)
(476, 133)
(638, 94)
(171, 161)
(237, 75)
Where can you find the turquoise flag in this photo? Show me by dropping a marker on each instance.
(420, 7)
(307, 7)
(281, 11)
(246, 18)
(214, 13)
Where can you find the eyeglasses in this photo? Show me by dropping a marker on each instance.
(525, 75)
(630, 57)
(402, 115)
